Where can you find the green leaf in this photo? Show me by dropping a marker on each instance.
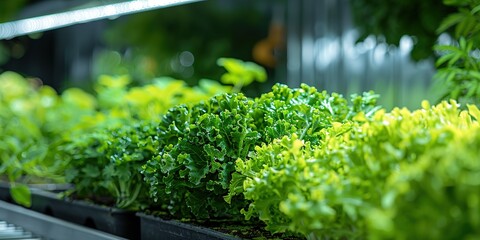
(455, 2)
(240, 73)
(474, 111)
(475, 74)
(91, 171)
(463, 28)
(463, 43)
(475, 10)
(21, 194)
(448, 48)
(114, 81)
(447, 57)
(75, 97)
(449, 22)
(454, 59)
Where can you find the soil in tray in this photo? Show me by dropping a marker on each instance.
(241, 229)
(245, 231)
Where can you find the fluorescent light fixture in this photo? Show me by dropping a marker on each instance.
(52, 21)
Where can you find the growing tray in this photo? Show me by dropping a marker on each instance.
(153, 227)
(47, 227)
(111, 220)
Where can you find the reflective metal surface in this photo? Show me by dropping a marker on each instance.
(322, 52)
(11, 231)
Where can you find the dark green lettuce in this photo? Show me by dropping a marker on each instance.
(194, 170)
(198, 149)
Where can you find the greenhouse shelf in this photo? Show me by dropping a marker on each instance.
(47, 227)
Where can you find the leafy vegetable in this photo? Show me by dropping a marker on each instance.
(106, 159)
(305, 111)
(240, 73)
(21, 194)
(392, 175)
(106, 165)
(30, 131)
(198, 145)
(304, 162)
(437, 186)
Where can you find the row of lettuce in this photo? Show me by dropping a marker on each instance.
(304, 162)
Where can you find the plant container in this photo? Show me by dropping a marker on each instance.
(22, 223)
(116, 221)
(153, 227)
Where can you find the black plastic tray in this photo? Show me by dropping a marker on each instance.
(111, 220)
(49, 227)
(155, 228)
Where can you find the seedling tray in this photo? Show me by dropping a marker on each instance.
(48, 227)
(111, 220)
(155, 228)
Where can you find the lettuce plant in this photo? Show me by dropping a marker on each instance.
(240, 73)
(396, 174)
(305, 111)
(30, 132)
(198, 145)
(148, 102)
(197, 149)
(436, 184)
(294, 188)
(106, 163)
(105, 159)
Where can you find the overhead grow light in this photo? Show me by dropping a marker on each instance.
(66, 18)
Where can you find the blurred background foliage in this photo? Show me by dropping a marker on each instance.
(8, 10)
(182, 42)
(459, 62)
(389, 20)
(185, 42)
